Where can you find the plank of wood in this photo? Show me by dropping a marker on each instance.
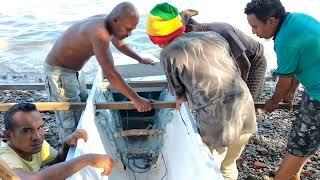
(136, 132)
(26, 86)
(65, 106)
(41, 87)
(260, 105)
(140, 70)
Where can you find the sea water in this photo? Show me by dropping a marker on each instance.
(28, 29)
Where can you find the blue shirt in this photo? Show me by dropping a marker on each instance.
(297, 45)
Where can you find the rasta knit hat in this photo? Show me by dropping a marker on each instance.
(164, 23)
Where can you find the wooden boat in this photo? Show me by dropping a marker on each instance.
(160, 144)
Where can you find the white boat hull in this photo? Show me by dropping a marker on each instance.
(183, 155)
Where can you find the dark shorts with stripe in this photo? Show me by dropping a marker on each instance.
(304, 138)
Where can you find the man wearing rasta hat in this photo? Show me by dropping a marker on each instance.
(200, 69)
(162, 27)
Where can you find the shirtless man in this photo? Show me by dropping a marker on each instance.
(76, 46)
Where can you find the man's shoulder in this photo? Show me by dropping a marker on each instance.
(95, 27)
(10, 157)
(4, 148)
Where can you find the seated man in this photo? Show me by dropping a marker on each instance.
(26, 150)
(247, 52)
(199, 69)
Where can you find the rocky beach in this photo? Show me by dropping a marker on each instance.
(260, 158)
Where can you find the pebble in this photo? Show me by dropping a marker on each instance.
(263, 151)
(307, 173)
(259, 165)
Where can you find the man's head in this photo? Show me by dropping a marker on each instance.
(122, 20)
(24, 129)
(164, 24)
(264, 16)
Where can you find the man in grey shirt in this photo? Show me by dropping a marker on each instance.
(247, 52)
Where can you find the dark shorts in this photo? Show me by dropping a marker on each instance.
(304, 138)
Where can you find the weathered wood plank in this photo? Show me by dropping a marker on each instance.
(65, 106)
(136, 132)
(27, 86)
(260, 105)
(40, 86)
(140, 70)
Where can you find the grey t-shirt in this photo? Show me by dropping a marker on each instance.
(239, 42)
(199, 66)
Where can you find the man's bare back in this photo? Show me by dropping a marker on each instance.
(74, 48)
(92, 36)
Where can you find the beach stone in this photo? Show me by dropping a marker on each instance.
(265, 177)
(313, 158)
(240, 161)
(307, 173)
(252, 177)
(272, 173)
(263, 151)
(259, 165)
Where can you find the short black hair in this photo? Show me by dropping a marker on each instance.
(25, 107)
(263, 9)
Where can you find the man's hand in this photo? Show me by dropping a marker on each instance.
(270, 105)
(180, 101)
(142, 104)
(102, 161)
(71, 140)
(146, 61)
(289, 99)
(193, 27)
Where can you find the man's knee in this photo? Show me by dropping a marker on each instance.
(290, 167)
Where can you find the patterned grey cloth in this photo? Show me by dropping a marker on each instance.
(256, 76)
(65, 85)
(304, 138)
(199, 65)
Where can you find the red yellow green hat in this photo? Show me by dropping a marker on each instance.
(164, 23)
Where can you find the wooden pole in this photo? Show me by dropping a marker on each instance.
(104, 85)
(65, 106)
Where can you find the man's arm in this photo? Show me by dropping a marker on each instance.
(244, 65)
(100, 42)
(282, 89)
(125, 49)
(68, 168)
(176, 85)
(5, 172)
(292, 91)
(70, 141)
(237, 49)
